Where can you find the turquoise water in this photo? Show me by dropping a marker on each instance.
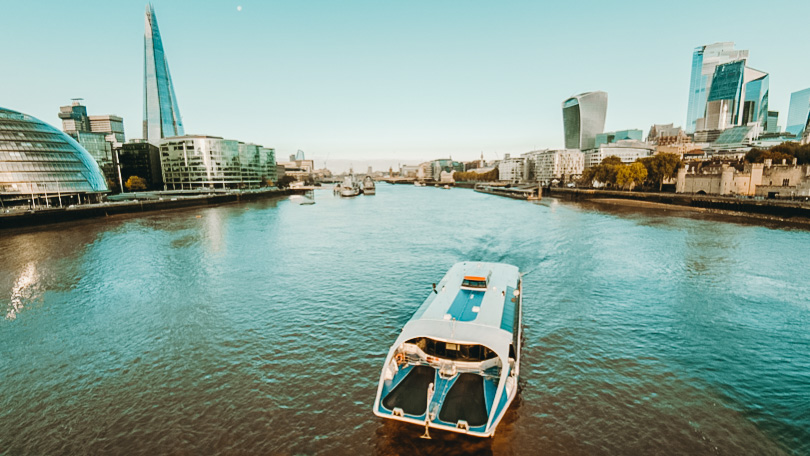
(262, 327)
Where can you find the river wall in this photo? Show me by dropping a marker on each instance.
(21, 219)
(762, 207)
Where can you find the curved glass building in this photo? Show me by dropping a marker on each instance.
(38, 160)
(584, 118)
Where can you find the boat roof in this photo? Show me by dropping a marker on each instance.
(468, 314)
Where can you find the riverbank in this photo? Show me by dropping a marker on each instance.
(772, 210)
(22, 219)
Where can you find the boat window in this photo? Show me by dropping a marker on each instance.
(452, 351)
(474, 282)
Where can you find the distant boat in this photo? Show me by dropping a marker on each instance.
(350, 187)
(368, 186)
(455, 365)
(446, 187)
(418, 184)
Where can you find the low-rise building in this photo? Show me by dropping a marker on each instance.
(563, 165)
(628, 151)
(750, 179)
(511, 169)
(139, 158)
(610, 137)
(199, 161)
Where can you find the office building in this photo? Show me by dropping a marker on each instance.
(99, 142)
(772, 126)
(704, 61)
(738, 96)
(628, 151)
(584, 118)
(139, 158)
(444, 164)
(511, 169)
(161, 116)
(37, 160)
(197, 161)
(798, 112)
(621, 135)
(111, 126)
(562, 165)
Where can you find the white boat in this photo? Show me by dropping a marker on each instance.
(455, 365)
(350, 187)
(368, 186)
(446, 187)
(418, 184)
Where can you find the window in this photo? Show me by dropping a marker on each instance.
(785, 182)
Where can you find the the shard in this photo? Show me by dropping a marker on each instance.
(161, 117)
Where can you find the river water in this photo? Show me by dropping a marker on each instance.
(261, 328)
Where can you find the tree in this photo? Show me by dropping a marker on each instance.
(285, 181)
(612, 160)
(113, 186)
(135, 183)
(661, 167)
(630, 175)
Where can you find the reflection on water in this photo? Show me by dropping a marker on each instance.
(261, 328)
(22, 292)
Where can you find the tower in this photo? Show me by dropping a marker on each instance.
(161, 116)
(583, 119)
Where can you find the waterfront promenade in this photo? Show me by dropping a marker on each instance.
(146, 202)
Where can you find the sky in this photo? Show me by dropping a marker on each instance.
(390, 81)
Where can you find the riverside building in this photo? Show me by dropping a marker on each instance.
(511, 169)
(563, 165)
(40, 163)
(628, 151)
(583, 119)
(211, 162)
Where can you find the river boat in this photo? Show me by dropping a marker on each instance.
(455, 365)
(350, 187)
(368, 186)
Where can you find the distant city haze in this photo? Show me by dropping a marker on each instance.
(363, 83)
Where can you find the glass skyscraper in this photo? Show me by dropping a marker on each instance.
(584, 118)
(798, 112)
(161, 116)
(704, 61)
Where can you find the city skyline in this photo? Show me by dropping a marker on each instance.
(383, 82)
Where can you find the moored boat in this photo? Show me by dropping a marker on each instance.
(368, 186)
(455, 365)
(350, 187)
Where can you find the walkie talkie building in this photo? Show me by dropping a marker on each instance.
(161, 116)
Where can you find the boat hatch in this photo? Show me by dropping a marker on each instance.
(453, 351)
(476, 282)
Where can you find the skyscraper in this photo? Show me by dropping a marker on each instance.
(738, 96)
(704, 61)
(798, 112)
(584, 118)
(161, 116)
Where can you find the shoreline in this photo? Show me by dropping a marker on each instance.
(52, 216)
(787, 213)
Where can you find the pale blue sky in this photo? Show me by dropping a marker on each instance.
(390, 80)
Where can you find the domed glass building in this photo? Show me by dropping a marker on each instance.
(39, 161)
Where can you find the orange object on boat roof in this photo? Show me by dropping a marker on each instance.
(474, 278)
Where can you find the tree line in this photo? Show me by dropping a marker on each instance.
(471, 176)
(785, 151)
(648, 170)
